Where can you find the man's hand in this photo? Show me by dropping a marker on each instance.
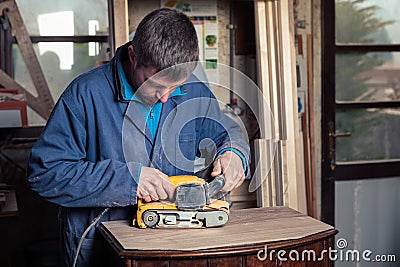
(231, 165)
(154, 185)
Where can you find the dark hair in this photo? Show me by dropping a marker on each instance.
(164, 38)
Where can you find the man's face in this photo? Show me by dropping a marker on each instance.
(151, 88)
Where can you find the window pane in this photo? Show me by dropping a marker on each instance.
(60, 62)
(367, 216)
(368, 21)
(65, 18)
(368, 76)
(373, 134)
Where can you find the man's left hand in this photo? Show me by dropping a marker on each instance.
(231, 165)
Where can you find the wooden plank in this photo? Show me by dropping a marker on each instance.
(296, 182)
(313, 183)
(266, 74)
(276, 69)
(262, 52)
(250, 226)
(121, 28)
(264, 155)
(307, 164)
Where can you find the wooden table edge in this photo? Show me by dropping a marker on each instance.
(225, 251)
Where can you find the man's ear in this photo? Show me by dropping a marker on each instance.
(132, 57)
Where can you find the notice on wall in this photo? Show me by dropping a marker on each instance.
(193, 7)
(203, 14)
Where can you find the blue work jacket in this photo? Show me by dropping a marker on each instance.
(95, 142)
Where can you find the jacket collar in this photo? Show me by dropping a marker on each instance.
(122, 52)
(128, 94)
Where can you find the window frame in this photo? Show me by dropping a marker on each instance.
(354, 170)
(8, 40)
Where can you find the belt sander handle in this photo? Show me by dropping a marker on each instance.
(216, 185)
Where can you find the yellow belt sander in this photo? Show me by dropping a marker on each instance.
(194, 206)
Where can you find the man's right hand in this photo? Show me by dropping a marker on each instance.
(154, 185)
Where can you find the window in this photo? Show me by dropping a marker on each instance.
(360, 122)
(68, 37)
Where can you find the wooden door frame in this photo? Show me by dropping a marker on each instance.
(331, 171)
(328, 109)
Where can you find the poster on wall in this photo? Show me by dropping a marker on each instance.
(193, 7)
(203, 14)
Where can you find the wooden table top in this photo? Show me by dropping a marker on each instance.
(246, 228)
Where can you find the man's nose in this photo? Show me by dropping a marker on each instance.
(164, 97)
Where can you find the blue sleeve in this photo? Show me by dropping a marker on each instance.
(225, 133)
(59, 169)
(237, 152)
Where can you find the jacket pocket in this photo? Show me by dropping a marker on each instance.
(186, 151)
(187, 137)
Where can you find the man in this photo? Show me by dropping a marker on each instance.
(118, 131)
